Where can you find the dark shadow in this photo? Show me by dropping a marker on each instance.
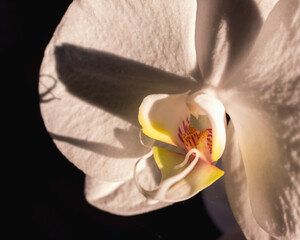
(126, 138)
(243, 23)
(47, 95)
(113, 83)
(196, 73)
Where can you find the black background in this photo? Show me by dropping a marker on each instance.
(44, 190)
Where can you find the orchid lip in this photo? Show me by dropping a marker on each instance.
(190, 162)
(167, 118)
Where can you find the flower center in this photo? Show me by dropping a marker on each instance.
(193, 138)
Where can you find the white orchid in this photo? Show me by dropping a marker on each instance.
(110, 61)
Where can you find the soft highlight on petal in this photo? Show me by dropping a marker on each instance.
(237, 190)
(162, 116)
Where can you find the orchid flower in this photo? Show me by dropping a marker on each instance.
(167, 118)
(173, 69)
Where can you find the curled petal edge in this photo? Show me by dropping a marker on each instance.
(161, 124)
(202, 103)
(179, 182)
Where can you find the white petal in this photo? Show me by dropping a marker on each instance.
(123, 198)
(103, 59)
(236, 188)
(264, 105)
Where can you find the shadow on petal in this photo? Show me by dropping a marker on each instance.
(113, 83)
(225, 33)
(47, 95)
(100, 94)
(126, 138)
(243, 25)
